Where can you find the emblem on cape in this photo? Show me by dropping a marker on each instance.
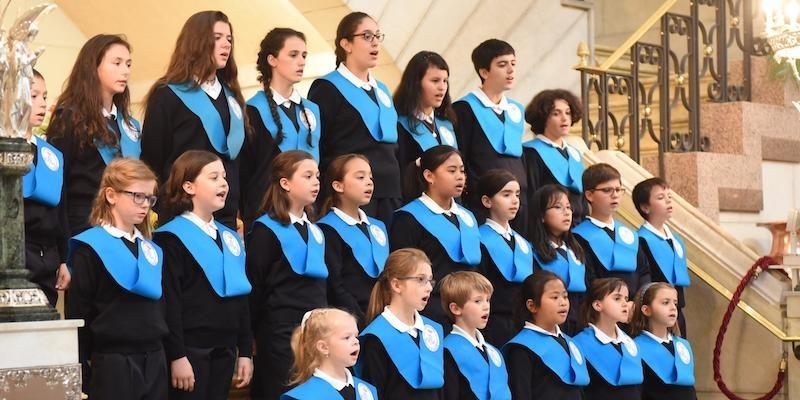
(131, 131)
(232, 243)
(523, 247)
(311, 120)
(237, 109)
(150, 253)
(514, 113)
(626, 234)
(631, 346)
(494, 356)
(574, 257)
(363, 392)
(447, 136)
(383, 97)
(430, 338)
(678, 248)
(50, 159)
(574, 153)
(316, 233)
(683, 352)
(378, 234)
(576, 353)
(465, 217)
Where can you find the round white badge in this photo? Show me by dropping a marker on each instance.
(311, 120)
(574, 258)
(626, 234)
(631, 346)
(363, 392)
(50, 159)
(232, 243)
(447, 135)
(678, 248)
(523, 246)
(383, 97)
(150, 253)
(576, 353)
(494, 356)
(237, 109)
(514, 113)
(466, 218)
(131, 132)
(683, 352)
(316, 233)
(574, 153)
(378, 234)
(430, 338)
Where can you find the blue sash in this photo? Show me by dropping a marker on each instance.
(462, 244)
(380, 119)
(515, 265)
(292, 138)
(487, 380)
(44, 181)
(572, 271)
(505, 137)
(421, 366)
(224, 269)
(615, 255)
(305, 258)
(423, 136)
(670, 259)
(677, 369)
(129, 141)
(318, 389)
(198, 102)
(140, 275)
(570, 366)
(371, 253)
(568, 172)
(617, 369)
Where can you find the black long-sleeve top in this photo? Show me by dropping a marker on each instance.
(539, 174)
(379, 370)
(44, 225)
(255, 166)
(531, 379)
(600, 389)
(595, 269)
(456, 385)
(349, 286)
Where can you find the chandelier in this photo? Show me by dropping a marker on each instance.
(782, 31)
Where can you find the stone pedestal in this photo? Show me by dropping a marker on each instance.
(39, 360)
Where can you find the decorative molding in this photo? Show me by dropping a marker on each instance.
(22, 298)
(16, 159)
(581, 4)
(68, 376)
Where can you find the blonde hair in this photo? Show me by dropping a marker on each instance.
(456, 287)
(119, 174)
(318, 325)
(645, 297)
(401, 263)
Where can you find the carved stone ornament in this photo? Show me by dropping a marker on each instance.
(68, 376)
(22, 298)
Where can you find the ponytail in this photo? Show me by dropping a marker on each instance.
(414, 182)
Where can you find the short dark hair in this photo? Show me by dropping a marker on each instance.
(540, 107)
(532, 288)
(487, 51)
(597, 174)
(641, 193)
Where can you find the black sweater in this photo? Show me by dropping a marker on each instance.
(255, 168)
(529, 377)
(44, 225)
(379, 370)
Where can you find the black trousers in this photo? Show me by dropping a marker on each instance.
(213, 372)
(136, 376)
(272, 361)
(42, 263)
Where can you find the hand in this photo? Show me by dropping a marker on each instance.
(63, 277)
(244, 371)
(182, 374)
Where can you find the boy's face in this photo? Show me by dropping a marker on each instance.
(500, 75)
(659, 207)
(605, 198)
(474, 314)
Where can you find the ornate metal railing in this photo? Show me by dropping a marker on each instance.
(691, 52)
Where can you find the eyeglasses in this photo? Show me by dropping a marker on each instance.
(561, 209)
(609, 190)
(420, 280)
(139, 197)
(370, 36)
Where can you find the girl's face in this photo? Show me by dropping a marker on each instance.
(614, 306)
(223, 43)
(303, 186)
(361, 53)
(503, 206)
(290, 62)
(553, 305)
(130, 205)
(38, 102)
(342, 345)
(659, 207)
(663, 312)
(209, 189)
(114, 69)
(448, 179)
(559, 121)
(434, 87)
(356, 186)
(557, 217)
(415, 290)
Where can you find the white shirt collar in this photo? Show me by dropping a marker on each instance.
(602, 224)
(537, 328)
(475, 341)
(210, 228)
(429, 118)
(212, 89)
(368, 85)
(119, 233)
(563, 245)
(659, 339)
(32, 139)
(484, 99)
(503, 231)
(552, 143)
(301, 219)
(605, 339)
(337, 384)
(647, 225)
(279, 99)
(401, 326)
(362, 216)
(428, 202)
(112, 113)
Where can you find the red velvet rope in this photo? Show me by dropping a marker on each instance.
(761, 264)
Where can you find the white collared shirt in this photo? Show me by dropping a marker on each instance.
(336, 383)
(651, 228)
(428, 202)
(659, 339)
(301, 219)
(119, 233)
(112, 113)
(286, 102)
(503, 231)
(563, 246)
(605, 339)
(476, 341)
(368, 85)
(362, 216)
(602, 224)
(212, 89)
(537, 328)
(210, 228)
(498, 108)
(552, 143)
(426, 117)
(401, 326)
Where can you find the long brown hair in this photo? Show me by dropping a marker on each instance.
(402, 262)
(119, 174)
(186, 168)
(597, 291)
(318, 326)
(79, 108)
(336, 171)
(345, 30)
(276, 201)
(646, 297)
